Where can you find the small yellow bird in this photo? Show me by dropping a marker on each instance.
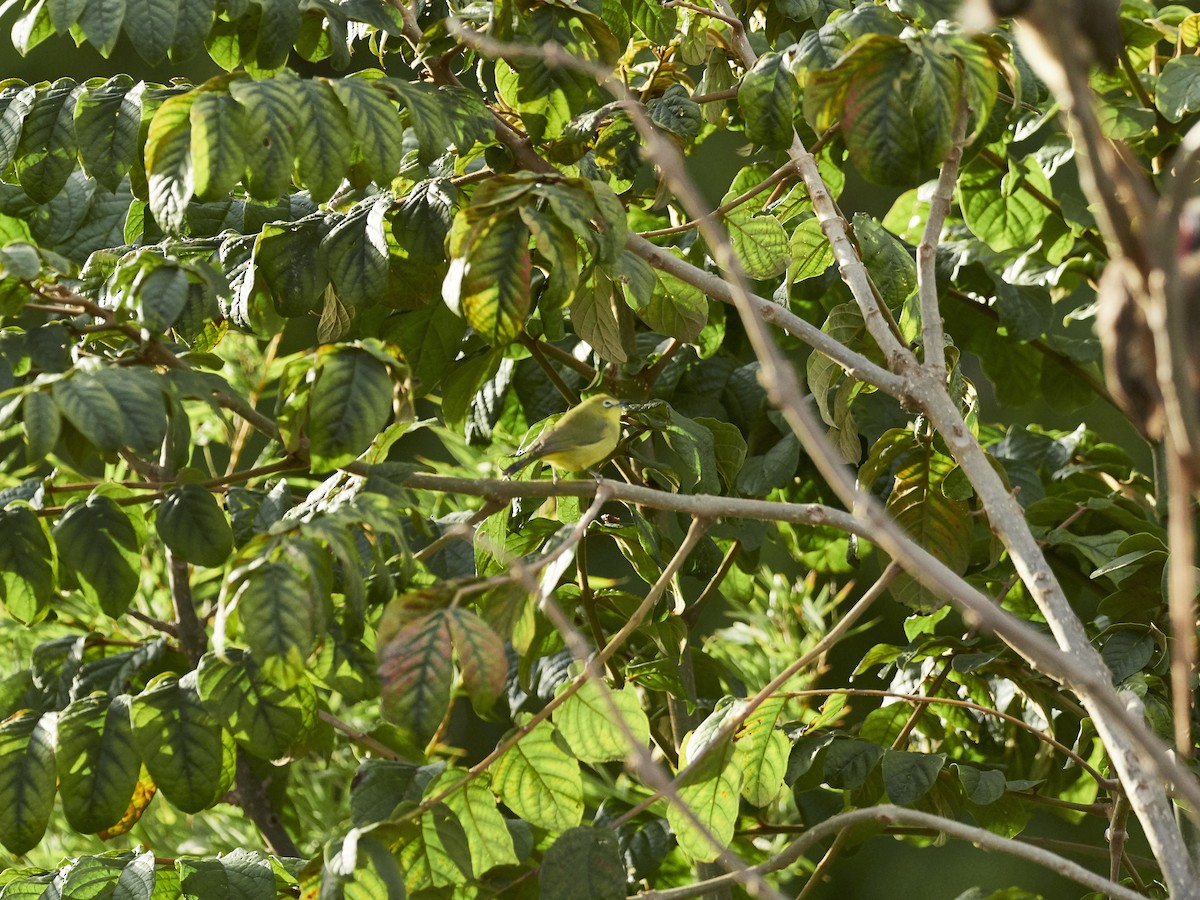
(583, 437)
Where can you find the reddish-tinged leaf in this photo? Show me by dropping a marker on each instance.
(481, 657)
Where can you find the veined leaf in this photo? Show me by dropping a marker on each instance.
(488, 837)
(588, 724)
(187, 753)
(357, 252)
(540, 781)
(47, 150)
(218, 144)
(273, 117)
(27, 780)
(769, 97)
(107, 119)
(324, 145)
(489, 282)
(374, 125)
(193, 526)
(288, 258)
(267, 718)
(100, 23)
(169, 170)
(15, 104)
(481, 657)
(351, 402)
(98, 761)
(761, 752)
(415, 675)
(99, 544)
(150, 27)
(584, 863)
(26, 572)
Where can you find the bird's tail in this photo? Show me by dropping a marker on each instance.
(514, 468)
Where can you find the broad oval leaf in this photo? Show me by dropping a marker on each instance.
(590, 726)
(98, 761)
(100, 545)
(540, 781)
(26, 568)
(193, 526)
(266, 717)
(489, 277)
(584, 864)
(187, 753)
(27, 780)
(415, 675)
(350, 404)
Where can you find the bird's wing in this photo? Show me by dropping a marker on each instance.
(590, 430)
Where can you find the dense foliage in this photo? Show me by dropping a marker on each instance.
(267, 341)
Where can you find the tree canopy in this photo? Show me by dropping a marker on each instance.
(878, 552)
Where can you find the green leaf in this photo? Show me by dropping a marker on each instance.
(150, 27)
(1002, 208)
(848, 762)
(277, 31)
(711, 795)
(760, 243)
(64, 13)
(26, 570)
(810, 251)
(769, 96)
(540, 781)
(169, 169)
(981, 786)
(267, 717)
(594, 318)
(192, 525)
(218, 144)
(98, 543)
(481, 658)
(15, 105)
(584, 864)
(1177, 88)
(101, 23)
(488, 837)
(351, 402)
(273, 118)
(357, 252)
(423, 220)
(374, 126)
(594, 732)
(187, 753)
(415, 675)
(444, 118)
(27, 781)
(289, 260)
(908, 776)
(279, 611)
(892, 267)
(115, 408)
(676, 309)
(47, 150)
(107, 119)
(324, 145)
(98, 761)
(1127, 652)
(378, 787)
(761, 752)
(895, 100)
(433, 853)
(237, 875)
(429, 339)
(489, 278)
